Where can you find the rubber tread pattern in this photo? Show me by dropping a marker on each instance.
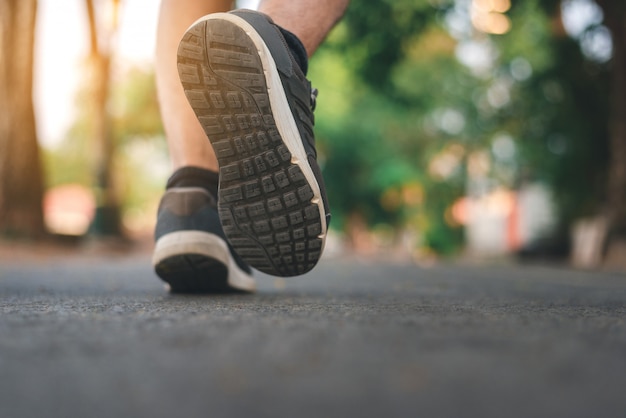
(264, 201)
(190, 273)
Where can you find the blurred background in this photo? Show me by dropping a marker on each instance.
(483, 129)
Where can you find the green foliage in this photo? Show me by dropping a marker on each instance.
(394, 99)
(135, 106)
(376, 34)
(140, 163)
(559, 116)
(399, 115)
(71, 161)
(378, 91)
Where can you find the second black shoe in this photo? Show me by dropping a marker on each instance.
(191, 253)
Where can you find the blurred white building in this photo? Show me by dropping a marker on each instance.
(502, 221)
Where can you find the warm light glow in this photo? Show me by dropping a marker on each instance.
(413, 194)
(445, 163)
(69, 209)
(61, 48)
(488, 16)
(460, 211)
(499, 6)
(478, 164)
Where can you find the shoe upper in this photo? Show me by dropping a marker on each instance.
(301, 96)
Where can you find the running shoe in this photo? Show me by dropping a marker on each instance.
(256, 107)
(191, 253)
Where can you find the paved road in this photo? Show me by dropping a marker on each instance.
(100, 338)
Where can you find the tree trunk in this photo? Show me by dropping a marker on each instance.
(107, 220)
(21, 184)
(615, 19)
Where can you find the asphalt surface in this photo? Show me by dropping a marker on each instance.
(100, 337)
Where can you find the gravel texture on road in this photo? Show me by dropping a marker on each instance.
(100, 337)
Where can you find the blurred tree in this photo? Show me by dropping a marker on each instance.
(139, 163)
(102, 31)
(416, 84)
(384, 77)
(135, 107)
(615, 18)
(552, 101)
(560, 113)
(20, 169)
(378, 33)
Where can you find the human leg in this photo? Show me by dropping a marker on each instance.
(186, 140)
(281, 230)
(191, 253)
(309, 20)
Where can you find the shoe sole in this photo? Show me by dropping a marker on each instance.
(269, 200)
(199, 262)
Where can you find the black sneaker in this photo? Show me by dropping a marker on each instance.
(191, 252)
(256, 106)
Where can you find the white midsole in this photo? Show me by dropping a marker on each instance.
(285, 123)
(207, 244)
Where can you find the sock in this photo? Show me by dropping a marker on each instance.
(194, 177)
(297, 49)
